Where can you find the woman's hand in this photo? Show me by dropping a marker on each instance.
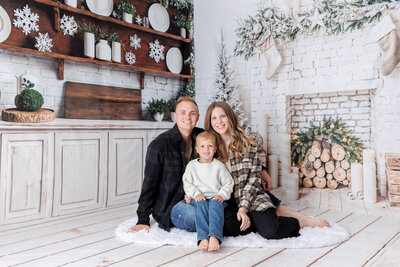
(266, 180)
(242, 216)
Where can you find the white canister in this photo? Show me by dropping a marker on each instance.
(103, 50)
(273, 169)
(88, 44)
(127, 17)
(183, 32)
(73, 3)
(116, 52)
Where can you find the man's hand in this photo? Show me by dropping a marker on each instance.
(266, 180)
(187, 199)
(219, 198)
(199, 197)
(139, 227)
(242, 216)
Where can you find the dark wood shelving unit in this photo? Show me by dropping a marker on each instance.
(18, 43)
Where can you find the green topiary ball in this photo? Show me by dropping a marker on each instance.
(30, 100)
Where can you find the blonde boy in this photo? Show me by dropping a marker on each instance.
(208, 183)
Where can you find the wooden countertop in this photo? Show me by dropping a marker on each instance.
(62, 123)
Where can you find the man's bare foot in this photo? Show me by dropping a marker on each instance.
(314, 222)
(203, 244)
(214, 244)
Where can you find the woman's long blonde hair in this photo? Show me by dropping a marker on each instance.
(240, 140)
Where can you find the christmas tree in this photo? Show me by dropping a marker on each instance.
(225, 89)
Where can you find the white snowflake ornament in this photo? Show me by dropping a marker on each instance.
(44, 42)
(68, 25)
(130, 58)
(135, 41)
(156, 51)
(26, 20)
(138, 20)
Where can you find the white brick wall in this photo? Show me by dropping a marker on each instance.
(337, 65)
(45, 70)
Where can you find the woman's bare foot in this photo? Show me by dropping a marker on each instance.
(314, 222)
(203, 244)
(214, 244)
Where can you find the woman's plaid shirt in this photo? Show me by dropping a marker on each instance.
(246, 172)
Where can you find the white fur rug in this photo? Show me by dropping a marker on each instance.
(309, 237)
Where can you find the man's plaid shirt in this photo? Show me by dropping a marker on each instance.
(246, 172)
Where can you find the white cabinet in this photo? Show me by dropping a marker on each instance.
(80, 172)
(127, 151)
(26, 181)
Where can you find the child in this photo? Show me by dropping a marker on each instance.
(207, 181)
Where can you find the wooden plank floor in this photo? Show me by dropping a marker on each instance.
(89, 240)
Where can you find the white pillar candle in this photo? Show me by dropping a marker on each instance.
(356, 178)
(292, 186)
(273, 169)
(298, 6)
(284, 145)
(369, 174)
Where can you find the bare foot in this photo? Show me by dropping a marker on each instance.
(314, 222)
(203, 244)
(214, 244)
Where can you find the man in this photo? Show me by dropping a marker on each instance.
(166, 158)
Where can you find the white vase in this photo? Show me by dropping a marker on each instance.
(103, 50)
(127, 17)
(173, 116)
(72, 3)
(88, 44)
(183, 32)
(116, 52)
(158, 116)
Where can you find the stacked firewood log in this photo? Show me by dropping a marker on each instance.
(325, 165)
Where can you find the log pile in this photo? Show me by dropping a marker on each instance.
(325, 165)
(393, 177)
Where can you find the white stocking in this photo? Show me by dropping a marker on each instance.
(268, 49)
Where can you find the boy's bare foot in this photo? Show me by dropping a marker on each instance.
(214, 244)
(315, 222)
(203, 244)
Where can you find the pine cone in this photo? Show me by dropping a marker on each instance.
(325, 144)
(308, 166)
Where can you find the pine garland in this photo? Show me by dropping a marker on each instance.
(332, 130)
(336, 17)
(225, 89)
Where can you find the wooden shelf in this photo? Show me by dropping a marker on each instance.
(61, 57)
(110, 19)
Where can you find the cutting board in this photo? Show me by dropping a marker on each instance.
(100, 102)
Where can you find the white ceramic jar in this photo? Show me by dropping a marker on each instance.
(103, 50)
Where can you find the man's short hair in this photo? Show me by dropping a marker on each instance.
(206, 135)
(185, 99)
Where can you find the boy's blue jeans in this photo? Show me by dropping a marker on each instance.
(209, 219)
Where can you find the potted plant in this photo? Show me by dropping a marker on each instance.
(116, 43)
(171, 108)
(91, 35)
(184, 23)
(157, 107)
(103, 50)
(29, 99)
(125, 11)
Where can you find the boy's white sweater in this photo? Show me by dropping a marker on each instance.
(208, 179)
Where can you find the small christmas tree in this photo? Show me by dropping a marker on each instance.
(225, 89)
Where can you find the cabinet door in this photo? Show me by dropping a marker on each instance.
(80, 172)
(25, 184)
(127, 152)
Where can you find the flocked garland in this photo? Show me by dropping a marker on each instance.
(332, 130)
(333, 16)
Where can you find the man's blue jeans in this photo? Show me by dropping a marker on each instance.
(182, 216)
(209, 218)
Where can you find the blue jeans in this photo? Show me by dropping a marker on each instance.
(209, 218)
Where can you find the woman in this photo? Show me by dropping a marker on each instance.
(238, 147)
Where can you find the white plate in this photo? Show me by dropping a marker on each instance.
(174, 60)
(101, 7)
(5, 25)
(158, 17)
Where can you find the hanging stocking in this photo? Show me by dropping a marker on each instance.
(389, 42)
(268, 49)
